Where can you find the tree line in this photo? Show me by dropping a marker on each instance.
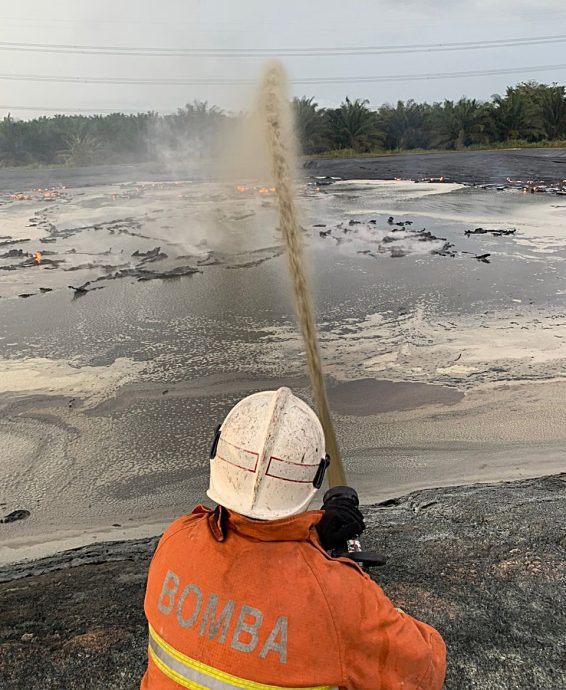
(529, 113)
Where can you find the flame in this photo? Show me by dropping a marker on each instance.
(46, 194)
(267, 190)
(37, 257)
(241, 188)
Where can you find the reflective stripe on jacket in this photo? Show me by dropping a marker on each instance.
(234, 603)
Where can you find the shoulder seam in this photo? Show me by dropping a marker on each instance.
(173, 534)
(338, 636)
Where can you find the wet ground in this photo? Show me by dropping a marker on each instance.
(445, 365)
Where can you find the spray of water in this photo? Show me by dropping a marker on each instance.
(276, 114)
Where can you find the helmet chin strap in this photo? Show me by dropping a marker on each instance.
(215, 441)
(319, 476)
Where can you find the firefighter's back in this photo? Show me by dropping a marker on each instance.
(238, 603)
(238, 608)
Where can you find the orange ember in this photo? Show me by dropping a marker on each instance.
(241, 188)
(37, 257)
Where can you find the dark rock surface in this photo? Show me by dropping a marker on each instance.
(485, 564)
(15, 515)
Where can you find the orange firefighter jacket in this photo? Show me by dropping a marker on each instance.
(237, 603)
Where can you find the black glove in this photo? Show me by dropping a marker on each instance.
(342, 520)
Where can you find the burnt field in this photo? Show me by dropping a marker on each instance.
(156, 304)
(474, 167)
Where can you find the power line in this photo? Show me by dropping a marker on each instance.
(537, 12)
(288, 52)
(63, 111)
(304, 80)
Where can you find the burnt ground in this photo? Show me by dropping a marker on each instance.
(481, 167)
(474, 167)
(485, 564)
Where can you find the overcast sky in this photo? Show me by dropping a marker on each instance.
(257, 24)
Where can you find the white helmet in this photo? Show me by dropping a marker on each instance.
(268, 457)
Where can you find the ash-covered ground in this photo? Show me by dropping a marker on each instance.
(157, 303)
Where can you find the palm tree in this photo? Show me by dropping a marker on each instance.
(404, 124)
(553, 112)
(13, 142)
(81, 149)
(195, 127)
(198, 117)
(515, 116)
(456, 125)
(310, 125)
(353, 125)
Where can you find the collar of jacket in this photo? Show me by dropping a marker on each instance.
(294, 528)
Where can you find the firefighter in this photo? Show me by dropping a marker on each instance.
(247, 596)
